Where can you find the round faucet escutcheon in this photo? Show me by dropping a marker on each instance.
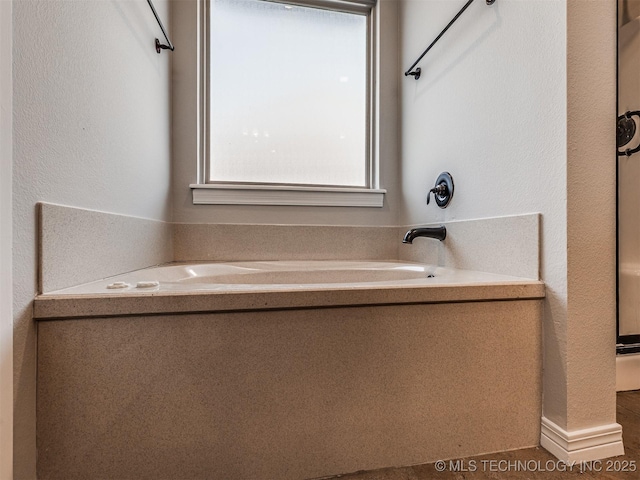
(442, 191)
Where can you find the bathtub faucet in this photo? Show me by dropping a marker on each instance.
(439, 233)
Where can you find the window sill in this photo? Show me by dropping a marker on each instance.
(210, 194)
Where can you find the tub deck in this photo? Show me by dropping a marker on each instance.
(244, 286)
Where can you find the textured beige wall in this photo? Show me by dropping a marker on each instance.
(286, 394)
(532, 83)
(91, 130)
(591, 216)
(572, 378)
(490, 108)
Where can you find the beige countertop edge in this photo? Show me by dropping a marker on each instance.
(50, 306)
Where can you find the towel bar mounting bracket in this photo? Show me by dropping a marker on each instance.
(160, 46)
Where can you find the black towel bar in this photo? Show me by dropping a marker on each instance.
(416, 73)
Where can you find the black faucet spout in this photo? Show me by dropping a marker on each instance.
(439, 233)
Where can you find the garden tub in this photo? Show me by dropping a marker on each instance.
(228, 286)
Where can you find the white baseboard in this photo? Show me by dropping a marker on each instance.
(583, 445)
(627, 372)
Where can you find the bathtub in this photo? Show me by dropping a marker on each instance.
(285, 370)
(236, 276)
(228, 286)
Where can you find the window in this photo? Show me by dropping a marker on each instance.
(288, 103)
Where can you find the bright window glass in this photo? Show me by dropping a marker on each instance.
(288, 94)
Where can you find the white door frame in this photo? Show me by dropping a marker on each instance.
(6, 283)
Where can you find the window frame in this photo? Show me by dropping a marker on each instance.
(241, 193)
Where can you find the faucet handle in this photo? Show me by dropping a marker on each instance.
(439, 190)
(442, 191)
